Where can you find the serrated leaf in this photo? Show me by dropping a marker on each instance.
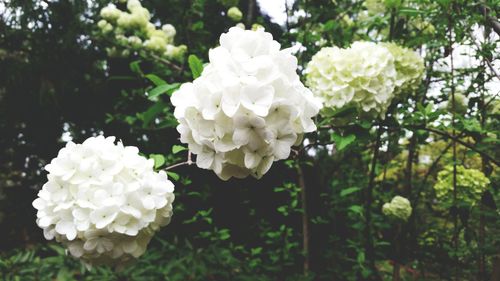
(155, 79)
(178, 148)
(195, 65)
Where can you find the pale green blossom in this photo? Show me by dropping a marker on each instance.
(134, 32)
(399, 208)
(471, 184)
(363, 76)
(409, 67)
(234, 14)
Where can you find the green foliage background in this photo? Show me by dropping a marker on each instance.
(55, 78)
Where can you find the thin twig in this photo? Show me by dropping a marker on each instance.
(166, 62)
(458, 140)
(187, 162)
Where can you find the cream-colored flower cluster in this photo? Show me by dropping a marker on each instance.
(366, 75)
(471, 184)
(103, 201)
(409, 67)
(132, 31)
(363, 75)
(399, 208)
(248, 107)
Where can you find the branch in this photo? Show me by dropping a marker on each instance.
(458, 140)
(491, 20)
(166, 62)
(187, 162)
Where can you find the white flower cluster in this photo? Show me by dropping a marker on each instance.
(366, 75)
(247, 109)
(409, 67)
(103, 201)
(133, 31)
(363, 75)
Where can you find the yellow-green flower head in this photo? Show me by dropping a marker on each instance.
(234, 14)
(169, 30)
(105, 26)
(257, 26)
(110, 13)
(121, 39)
(134, 31)
(155, 44)
(133, 4)
(134, 42)
(409, 67)
(471, 184)
(175, 52)
(399, 208)
(363, 75)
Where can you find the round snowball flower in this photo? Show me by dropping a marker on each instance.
(409, 67)
(103, 201)
(363, 76)
(398, 208)
(471, 184)
(248, 107)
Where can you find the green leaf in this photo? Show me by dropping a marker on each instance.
(155, 79)
(224, 234)
(148, 115)
(165, 88)
(195, 65)
(135, 67)
(159, 160)
(255, 251)
(348, 191)
(178, 148)
(173, 175)
(356, 209)
(342, 142)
